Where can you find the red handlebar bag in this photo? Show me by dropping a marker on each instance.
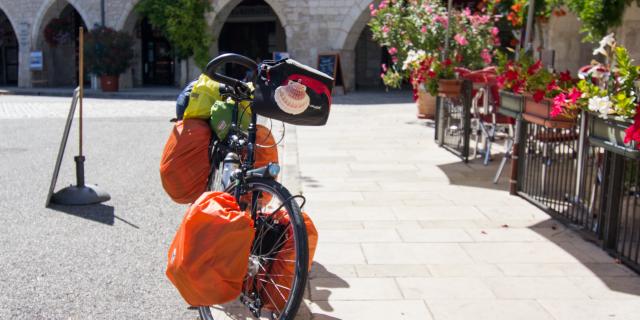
(209, 255)
(273, 290)
(184, 168)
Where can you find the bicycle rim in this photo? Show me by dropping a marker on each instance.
(277, 273)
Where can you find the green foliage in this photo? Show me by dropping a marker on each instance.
(625, 91)
(597, 16)
(183, 23)
(108, 52)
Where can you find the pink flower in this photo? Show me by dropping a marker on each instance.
(383, 4)
(384, 67)
(427, 7)
(486, 56)
(558, 105)
(394, 59)
(423, 29)
(633, 132)
(372, 7)
(467, 12)
(382, 75)
(495, 31)
(574, 95)
(442, 20)
(393, 50)
(374, 12)
(385, 29)
(461, 40)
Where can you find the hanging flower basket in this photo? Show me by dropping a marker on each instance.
(540, 113)
(511, 104)
(449, 87)
(609, 134)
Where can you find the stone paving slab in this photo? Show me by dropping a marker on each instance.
(394, 207)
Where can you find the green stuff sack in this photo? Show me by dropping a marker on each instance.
(204, 94)
(220, 120)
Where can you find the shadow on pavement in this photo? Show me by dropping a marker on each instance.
(476, 174)
(597, 262)
(320, 284)
(100, 213)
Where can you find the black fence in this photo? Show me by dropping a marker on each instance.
(453, 122)
(622, 223)
(596, 191)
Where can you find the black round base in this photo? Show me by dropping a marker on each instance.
(78, 196)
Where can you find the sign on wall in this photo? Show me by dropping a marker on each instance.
(24, 33)
(35, 61)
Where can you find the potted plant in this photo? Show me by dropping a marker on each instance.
(108, 54)
(414, 32)
(58, 31)
(609, 93)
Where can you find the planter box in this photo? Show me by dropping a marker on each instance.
(540, 113)
(609, 134)
(426, 104)
(511, 104)
(449, 87)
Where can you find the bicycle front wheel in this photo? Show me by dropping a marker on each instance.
(278, 264)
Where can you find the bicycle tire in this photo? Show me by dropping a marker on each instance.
(299, 281)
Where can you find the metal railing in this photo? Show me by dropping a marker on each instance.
(453, 124)
(622, 207)
(560, 177)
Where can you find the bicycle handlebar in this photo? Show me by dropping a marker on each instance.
(223, 59)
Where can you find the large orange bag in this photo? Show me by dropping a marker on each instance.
(185, 167)
(266, 150)
(281, 271)
(209, 255)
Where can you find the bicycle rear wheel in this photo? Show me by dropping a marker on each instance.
(278, 263)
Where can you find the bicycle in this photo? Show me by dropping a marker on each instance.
(277, 216)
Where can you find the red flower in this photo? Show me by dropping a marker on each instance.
(501, 80)
(565, 76)
(538, 96)
(447, 62)
(553, 85)
(511, 75)
(534, 68)
(518, 86)
(574, 95)
(633, 132)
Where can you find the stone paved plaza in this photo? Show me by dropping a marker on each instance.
(407, 231)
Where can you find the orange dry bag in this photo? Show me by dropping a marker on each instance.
(282, 270)
(184, 168)
(266, 150)
(209, 255)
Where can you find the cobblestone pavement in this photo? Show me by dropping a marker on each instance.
(406, 230)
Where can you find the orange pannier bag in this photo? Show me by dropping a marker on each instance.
(209, 255)
(282, 270)
(185, 167)
(266, 150)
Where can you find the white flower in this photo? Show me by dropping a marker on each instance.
(413, 58)
(601, 105)
(607, 41)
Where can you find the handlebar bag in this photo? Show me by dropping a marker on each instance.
(207, 260)
(291, 92)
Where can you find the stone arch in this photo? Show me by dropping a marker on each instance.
(222, 10)
(129, 14)
(9, 51)
(45, 8)
(352, 26)
(14, 26)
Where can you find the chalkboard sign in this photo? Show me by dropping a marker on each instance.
(329, 63)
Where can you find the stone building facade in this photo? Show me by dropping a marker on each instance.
(303, 28)
(307, 28)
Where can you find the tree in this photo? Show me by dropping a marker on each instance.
(183, 23)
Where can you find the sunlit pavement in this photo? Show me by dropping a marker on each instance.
(407, 231)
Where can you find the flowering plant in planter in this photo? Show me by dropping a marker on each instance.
(59, 31)
(609, 89)
(108, 54)
(414, 32)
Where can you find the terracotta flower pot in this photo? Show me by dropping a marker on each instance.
(109, 83)
(540, 113)
(449, 87)
(426, 104)
(609, 134)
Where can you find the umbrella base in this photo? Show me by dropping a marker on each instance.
(80, 195)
